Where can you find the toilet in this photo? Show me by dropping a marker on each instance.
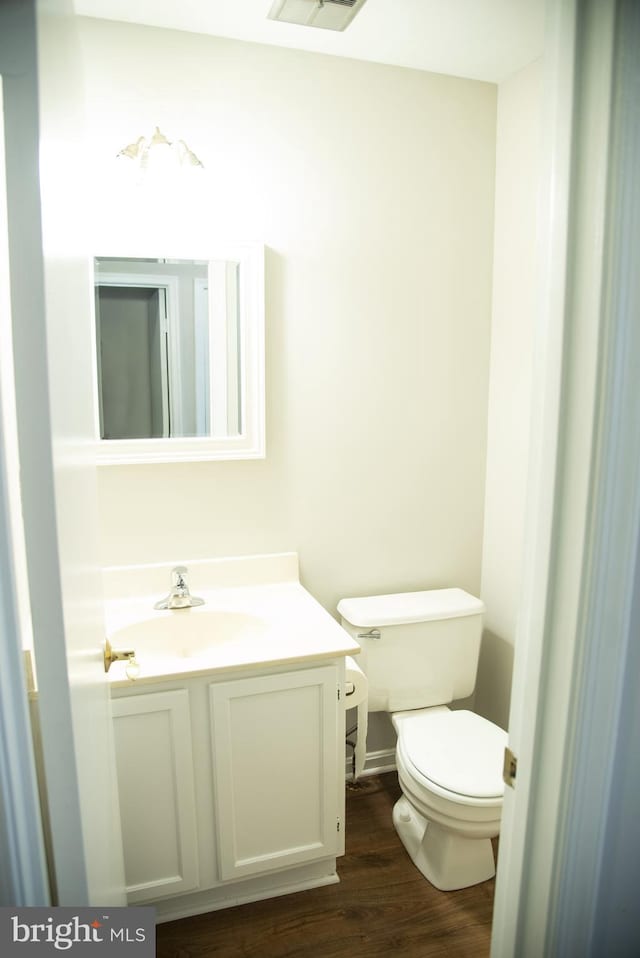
(420, 653)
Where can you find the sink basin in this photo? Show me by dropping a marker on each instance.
(187, 633)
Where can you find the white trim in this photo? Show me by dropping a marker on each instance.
(251, 442)
(596, 883)
(171, 361)
(167, 397)
(218, 417)
(23, 867)
(376, 763)
(543, 451)
(584, 523)
(202, 362)
(230, 894)
(233, 359)
(35, 452)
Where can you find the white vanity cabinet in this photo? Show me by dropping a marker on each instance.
(231, 785)
(275, 771)
(154, 761)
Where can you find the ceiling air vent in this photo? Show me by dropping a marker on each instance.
(328, 14)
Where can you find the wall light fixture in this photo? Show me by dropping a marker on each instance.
(159, 153)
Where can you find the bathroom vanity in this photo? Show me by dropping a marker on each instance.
(230, 741)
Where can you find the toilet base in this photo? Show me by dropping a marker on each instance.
(448, 861)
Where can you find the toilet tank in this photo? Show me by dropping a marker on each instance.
(418, 648)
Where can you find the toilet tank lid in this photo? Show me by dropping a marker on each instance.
(405, 607)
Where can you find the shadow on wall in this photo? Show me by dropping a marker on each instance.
(493, 686)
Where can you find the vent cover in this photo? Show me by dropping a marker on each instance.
(327, 14)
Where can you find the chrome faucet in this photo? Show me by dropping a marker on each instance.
(179, 597)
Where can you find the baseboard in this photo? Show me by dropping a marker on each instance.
(229, 894)
(384, 760)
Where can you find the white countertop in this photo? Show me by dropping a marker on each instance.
(277, 623)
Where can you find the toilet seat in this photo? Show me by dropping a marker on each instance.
(455, 754)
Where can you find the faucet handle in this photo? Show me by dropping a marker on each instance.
(179, 597)
(178, 574)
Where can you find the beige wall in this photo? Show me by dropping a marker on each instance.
(514, 276)
(372, 188)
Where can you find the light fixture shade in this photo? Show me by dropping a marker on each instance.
(158, 153)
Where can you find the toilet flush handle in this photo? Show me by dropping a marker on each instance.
(371, 634)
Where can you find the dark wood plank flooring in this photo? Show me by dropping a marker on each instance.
(382, 908)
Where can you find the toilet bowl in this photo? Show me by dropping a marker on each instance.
(420, 653)
(449, 769)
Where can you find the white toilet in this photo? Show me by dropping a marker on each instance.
(419, 652)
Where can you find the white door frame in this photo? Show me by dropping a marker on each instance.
(23, 867)
(543, 453)
(18, 64)
(581, 596)
(171, 358)
(202, 363)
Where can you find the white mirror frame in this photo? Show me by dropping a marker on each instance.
(250, 444)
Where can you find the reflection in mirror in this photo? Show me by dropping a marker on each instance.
(168, 340)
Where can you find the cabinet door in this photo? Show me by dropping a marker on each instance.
(155, 784)
(275, 770)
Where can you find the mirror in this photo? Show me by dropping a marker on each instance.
(179, 356)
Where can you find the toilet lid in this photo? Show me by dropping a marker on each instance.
(459, 751)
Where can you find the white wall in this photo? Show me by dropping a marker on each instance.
(372, 188)
(514, 274)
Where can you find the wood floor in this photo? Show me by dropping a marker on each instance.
(382, 908)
